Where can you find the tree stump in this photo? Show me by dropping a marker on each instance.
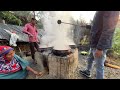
(63, 67)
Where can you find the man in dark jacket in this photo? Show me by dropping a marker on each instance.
(102, 32)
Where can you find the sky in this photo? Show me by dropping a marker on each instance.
(87, 15)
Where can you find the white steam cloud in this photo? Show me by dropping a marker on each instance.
(56, 35)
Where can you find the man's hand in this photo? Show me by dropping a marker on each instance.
(38, 42)
(98, 53)
(30, 35)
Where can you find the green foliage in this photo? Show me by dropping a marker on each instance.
(116, 42)
(20, 17)
(10, 18)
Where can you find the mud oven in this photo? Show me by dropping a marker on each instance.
(61, 64)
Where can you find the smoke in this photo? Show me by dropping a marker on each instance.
(56, 35)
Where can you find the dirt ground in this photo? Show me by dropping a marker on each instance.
(110, 73)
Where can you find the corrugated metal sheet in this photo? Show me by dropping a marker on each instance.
(5, 35)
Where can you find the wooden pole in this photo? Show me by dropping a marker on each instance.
(34, 13)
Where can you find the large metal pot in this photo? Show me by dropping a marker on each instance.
(61, 53)
(64, 51)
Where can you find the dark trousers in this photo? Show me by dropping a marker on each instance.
(33, 46)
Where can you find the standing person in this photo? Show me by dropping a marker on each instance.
(102, 32)
(32, 32)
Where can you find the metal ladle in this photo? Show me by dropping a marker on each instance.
(86, 26)
(59, 22)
